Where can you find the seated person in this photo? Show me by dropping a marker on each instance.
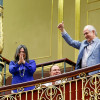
(54, 70)
(22, 68)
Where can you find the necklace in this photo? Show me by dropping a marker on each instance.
(23, 72)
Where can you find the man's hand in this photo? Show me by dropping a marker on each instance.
(61, 26)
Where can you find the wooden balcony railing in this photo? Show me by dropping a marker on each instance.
(48, 63)
(52, 78)
(42, 65)
(83, 88)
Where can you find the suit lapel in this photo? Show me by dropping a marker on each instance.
(81, 52)
(93, 47)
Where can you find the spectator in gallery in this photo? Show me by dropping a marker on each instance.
(22, 69)
(54, 70)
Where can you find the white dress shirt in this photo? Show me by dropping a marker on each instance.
(86, 54)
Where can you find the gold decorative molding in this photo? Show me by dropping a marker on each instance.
(91, 11)
(83, 74)
(76, 89)
(0, 79)
(70, 90)
(85, 88)
(92, 87)
(1, 42)
(92, 1)
(1, 32)
(51, 93)
(94, 9)
(77, 24)
(50, 54)
(60, 19)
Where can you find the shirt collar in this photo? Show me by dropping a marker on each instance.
(92, 41)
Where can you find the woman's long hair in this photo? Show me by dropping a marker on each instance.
(17, 53)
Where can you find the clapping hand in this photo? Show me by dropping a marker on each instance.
(21, 59)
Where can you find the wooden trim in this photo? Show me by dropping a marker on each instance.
(6, 60)
(52, 78)
(48, 63)
(57, 61)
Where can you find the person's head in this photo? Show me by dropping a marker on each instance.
(89, 32)
(55, 70)
(21, 50)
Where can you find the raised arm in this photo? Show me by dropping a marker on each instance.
(67, 38)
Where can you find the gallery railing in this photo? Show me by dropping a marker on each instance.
(83, 87)
(42, 65)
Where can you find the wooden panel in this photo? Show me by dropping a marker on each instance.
(34, 24)
(31, 23)
(69, 24)
(92, 1)
(93, 19)
(90, 14)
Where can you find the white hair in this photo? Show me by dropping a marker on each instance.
(91, 28)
